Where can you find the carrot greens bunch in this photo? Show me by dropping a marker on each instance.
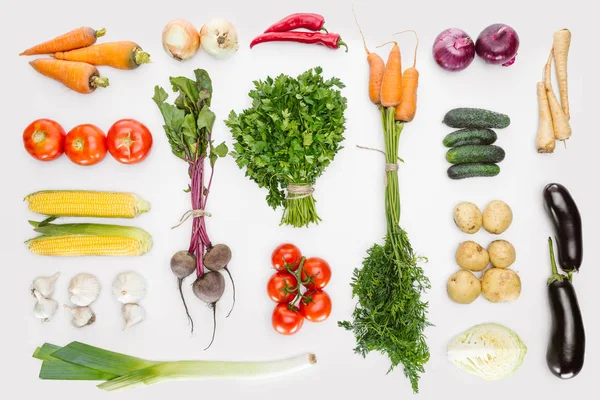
(390, 316)
(288, 137)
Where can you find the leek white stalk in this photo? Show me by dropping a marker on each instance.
(125, 372)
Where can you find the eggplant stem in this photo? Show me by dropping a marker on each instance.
(556, 276)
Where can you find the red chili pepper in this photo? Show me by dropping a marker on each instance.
(331, 40)
(313, 22)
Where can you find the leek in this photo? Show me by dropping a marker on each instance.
(79, 361)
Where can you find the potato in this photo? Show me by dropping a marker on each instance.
(497, 217)
(472, 256)
(502, 253)
(500, 285)
(463, 287)
(467, 217)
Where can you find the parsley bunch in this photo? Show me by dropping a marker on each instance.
(289, 136)
(390, 316)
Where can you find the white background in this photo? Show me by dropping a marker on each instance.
(349, 194)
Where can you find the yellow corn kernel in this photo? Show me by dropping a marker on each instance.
(71, 245)
(79, 203)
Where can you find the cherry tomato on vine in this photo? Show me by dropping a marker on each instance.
(286, 321)
(318, 269)
(44, 139)
(277, 284)
(129, 141)
(286, 254)
(85, 145)
(318, 308)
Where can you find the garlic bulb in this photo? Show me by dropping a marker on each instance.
(81, 316)
(84, 289)
(45, 308)
(129, 287)
(132, 314)
(45, 285)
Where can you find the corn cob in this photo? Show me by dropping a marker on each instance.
(80, 203)
(89, 240)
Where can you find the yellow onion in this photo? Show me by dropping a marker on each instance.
(180, 40)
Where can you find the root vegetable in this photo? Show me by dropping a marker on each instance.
(183, 264)
(467, 217)
(502, 253)
(562, 42)
(376, 69)
(463, 287)
(472, 256)
(219, 38)
(545, 142)
(216, 259)
(80, 77)
(210, 288)
(391, 83)
(562, 128)
(180, 40)
(75, 39)
(500, 285)
(497, 217)
(121, 55)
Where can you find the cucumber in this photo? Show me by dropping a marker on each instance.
(470, 136)
(475, 153)
(472, 170)
(475, 118)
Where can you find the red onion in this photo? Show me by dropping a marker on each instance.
(498, 44)
(453, 49)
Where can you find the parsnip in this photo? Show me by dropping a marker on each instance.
(545, 136)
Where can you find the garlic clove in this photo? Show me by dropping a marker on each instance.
(45, 308)
(81, 316)
(84, 289)
(129, 287)
(45, 284)
(132, 314)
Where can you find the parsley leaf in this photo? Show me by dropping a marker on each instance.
(290, 135)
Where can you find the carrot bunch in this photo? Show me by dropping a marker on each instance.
(554, 115)
(74, 56)
(389, 86)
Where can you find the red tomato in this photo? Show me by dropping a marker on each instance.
(319, 270)
(85, 145)
(318, 308)
(129, 141)
(286, 254)
(44, 139)
(285, 320)
(277, 284)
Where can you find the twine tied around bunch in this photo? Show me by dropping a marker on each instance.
(191, 214)
(389, 167)
(295, 192)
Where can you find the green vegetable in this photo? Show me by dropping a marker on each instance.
(470, 136)
(475, 118)
(461, 171)
(79, 361)
(288, 137)
(490, 351)
(390, 316)
(475, 153)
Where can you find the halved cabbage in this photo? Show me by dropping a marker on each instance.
(490, 351)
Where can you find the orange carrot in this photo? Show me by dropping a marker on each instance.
(122, 55)
(405, 111)
(77, 38)
(376, 69)
(81, 77)
(391, 84)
